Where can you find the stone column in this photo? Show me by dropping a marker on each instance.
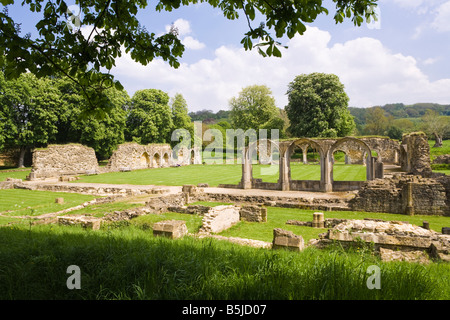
(409, 199)
(369, 167)
(284, 168)
(318, 220)
(326, 167)
(246, 180)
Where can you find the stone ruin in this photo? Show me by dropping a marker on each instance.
(415, 154)
(133, 156)
(284, 239)
(405, 194)
(173, 229)
(60, 160)
(391, 239)
(67, 160)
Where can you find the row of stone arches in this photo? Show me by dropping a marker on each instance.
(155, 160)
(325, 149)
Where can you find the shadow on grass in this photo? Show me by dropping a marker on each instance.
(129, 263)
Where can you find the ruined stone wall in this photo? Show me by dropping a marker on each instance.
(132, 156)
(59, 160)
(388, 150)
(9, 157)
(403, 195)
(415, 154)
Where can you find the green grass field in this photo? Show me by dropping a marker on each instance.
(19, 202)
(125, 262)
(19, 174)
(220, 174)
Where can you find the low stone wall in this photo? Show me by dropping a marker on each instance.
(253, 213)
(408, 194)
(442, 159)
(284, 239)
(219, 218)
(85, 222)
(58, 160)
(390, 235)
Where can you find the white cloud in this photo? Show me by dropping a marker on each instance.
(372, 74)
(193, 44)
(183, 27)
(440, 23)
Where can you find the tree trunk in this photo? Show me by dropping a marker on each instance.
(22, 157)
(438, 141)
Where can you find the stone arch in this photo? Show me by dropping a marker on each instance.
(165, 160)
(247, 163)
(156, 163)
(144, 160)
(366, 149)
(304, 144)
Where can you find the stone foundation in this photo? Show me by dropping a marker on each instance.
(173, 229)
(283, 239)
(404, 195)
(219, 218)
(84, 221)
(253, 213)
(391, 235)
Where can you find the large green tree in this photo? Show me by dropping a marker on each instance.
(29, 108)
(102, 133)
(58, 48)
(254, 108)
(318, 107)
(150, 118)
(435, 125)
(377, 123)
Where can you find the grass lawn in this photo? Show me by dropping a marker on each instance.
(22, 174)
(17, 202)
(220, 174)
(127, 262)
(277, 217)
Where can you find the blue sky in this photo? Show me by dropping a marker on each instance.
(404, 58)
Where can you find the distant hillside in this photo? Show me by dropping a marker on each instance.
(399, 111)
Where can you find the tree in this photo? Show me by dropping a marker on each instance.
(102, 133)
(150, 118)
(318, 107)
(253, 109)
(61, 48)
(435, 125)
(180, 116)
(29, 107)
(376, 121)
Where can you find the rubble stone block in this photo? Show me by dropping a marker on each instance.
(287, 240)
(253, 213)
(173, 229)
(59, 200)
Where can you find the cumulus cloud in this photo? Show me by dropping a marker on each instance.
(184, 29)
(440, 22)
(371, 73)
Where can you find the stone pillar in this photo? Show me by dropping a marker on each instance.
(246, 181)
(284, 168)
(326, 167)
(369, 167)
(379, 169)
(318, 220)
(409, 199)
(347, 159)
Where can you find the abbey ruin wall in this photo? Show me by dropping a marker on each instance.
(60, 160)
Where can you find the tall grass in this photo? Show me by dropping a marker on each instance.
(129, 263)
